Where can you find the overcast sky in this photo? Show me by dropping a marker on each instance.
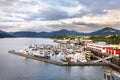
(51, 15)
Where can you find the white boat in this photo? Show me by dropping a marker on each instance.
(81, 58)
(41, 54)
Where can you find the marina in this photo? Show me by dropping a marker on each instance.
(62, 54)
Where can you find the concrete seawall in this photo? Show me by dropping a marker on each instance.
(57, 62)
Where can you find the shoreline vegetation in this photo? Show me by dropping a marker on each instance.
(109, 39)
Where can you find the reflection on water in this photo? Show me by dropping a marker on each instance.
(109, 73)
(13, 67)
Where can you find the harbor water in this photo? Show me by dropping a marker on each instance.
(13, 67)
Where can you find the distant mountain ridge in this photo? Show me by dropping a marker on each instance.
(44, 34)
(63, 31)
(4, 34)
(104, 31)
(25, 34)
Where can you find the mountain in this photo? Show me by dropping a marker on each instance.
(25, 34)
(105, 31)
(4, 34)
(64, 31)
(44, 34)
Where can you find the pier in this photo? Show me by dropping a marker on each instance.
(30, 56)
(105, 59)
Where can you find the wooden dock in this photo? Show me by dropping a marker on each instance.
(57, 62)
(111, 64)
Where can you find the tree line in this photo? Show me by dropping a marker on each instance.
(109, 39)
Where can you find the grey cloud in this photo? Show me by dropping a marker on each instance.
(68, 3)
(48, 14)
(63, 3)
(85, 24)
(73, 24)
(5, 27)
(8, 15)
(92, 25)
(11, 2)
(62, 26)
(7, 2)
(29, 3)
(53, 14)
(9, 21)
(72, 27)
(97, 6)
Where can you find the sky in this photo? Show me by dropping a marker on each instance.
(53, 15)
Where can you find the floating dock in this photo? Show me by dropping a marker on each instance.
(57, 62)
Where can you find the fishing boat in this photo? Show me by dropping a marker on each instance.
(81, 58)
(42, 54)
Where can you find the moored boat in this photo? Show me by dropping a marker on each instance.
(41, 54)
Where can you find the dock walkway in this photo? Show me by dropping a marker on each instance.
(100, 59)
(57, 62)
(111, 64)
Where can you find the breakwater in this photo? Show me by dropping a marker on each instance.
(57, 62)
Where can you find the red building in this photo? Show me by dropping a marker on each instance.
(103, 48)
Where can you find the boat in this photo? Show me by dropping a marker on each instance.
(45, 57)
(41, 54)
(67, 58)
(89, 55)
(81, 58)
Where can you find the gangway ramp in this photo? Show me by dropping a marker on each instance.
(100, 59)
(116, 73)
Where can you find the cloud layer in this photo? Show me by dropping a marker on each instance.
(50, 15)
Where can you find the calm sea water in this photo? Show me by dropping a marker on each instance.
(13, 67)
